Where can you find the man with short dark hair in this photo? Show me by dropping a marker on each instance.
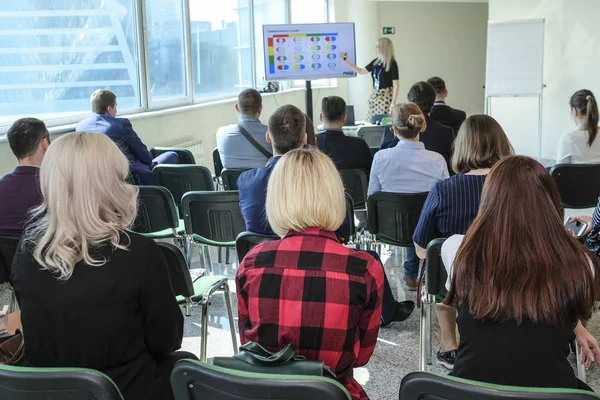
(104, 120)
(243, 145)
(441, 111)
(286, 131)
(347, 152)
(28, 139)
(436, 137)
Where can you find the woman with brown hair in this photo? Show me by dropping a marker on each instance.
(453, 203)
(521, 283)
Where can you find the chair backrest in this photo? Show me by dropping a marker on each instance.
(393, 217)
(371, 134)
(246, 241)
(193, 380)
(8, 249)
(427, 385)
(23, 383)
(230, 177)
(373, 150)
(213, 215)
(181, 280)
(436, 275)
(185, 156)
(350, 215)
(156, 210)
(578, 184)
(356, 182)
(180, 179)
(217, 162)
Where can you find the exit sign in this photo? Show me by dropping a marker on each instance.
(389, 30)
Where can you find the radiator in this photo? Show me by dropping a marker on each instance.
(195, 146)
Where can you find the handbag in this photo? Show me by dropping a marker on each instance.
(255, 358)
(12, 348)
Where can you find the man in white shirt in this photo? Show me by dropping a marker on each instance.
(236, 150)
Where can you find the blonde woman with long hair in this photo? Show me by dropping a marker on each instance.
(385, 75)
(93, 294)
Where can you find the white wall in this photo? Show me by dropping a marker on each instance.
(571, 61)
(444, 39)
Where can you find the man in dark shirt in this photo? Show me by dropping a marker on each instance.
(436, 137)
(347, 152)
(20, 190)
(441, 111)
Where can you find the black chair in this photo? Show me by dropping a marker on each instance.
(184, 155)
(157, 216)
(373, 150)
(393, 217)
(212, 219)
(199, 292)
(371, 134)
(435, 285)
(217, 162)
(180, 179)
(8, 249)
(246, 241)
(356, 182)
(426, 385)
(24, 383)
(230, 177)
(193, 380)
(578, 184)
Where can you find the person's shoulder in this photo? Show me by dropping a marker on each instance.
(433, 156)
(253, 177)
(227, 129)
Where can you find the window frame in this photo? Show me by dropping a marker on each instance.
(189, 98)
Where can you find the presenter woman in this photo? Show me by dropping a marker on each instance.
(384, 71)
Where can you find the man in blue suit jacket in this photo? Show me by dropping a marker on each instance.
(104, 120)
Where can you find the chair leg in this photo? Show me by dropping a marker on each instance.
(208, 259)
(188, 251)
(188, 305)
(580, 368)
(424, 332)
(230, 315)
(430, 306)
(227, 255)
(204, 338)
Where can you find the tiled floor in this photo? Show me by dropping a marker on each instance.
(396, 355)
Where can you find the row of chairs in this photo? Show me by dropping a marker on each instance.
(193, 380)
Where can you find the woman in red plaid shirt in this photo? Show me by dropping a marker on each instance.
(307, 289)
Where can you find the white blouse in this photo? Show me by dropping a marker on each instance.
(573, 149)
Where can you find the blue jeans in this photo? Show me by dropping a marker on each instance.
(411, 265)
(388, 304)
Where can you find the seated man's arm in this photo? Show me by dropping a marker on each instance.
(135, 144)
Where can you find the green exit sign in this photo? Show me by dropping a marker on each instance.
(389, 30)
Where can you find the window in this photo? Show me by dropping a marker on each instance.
(221, 47)
(166, 50)
(54, 54)
(265, 12)
(309, 11)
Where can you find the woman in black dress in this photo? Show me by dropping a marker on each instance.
(384, 71)
(521, 284)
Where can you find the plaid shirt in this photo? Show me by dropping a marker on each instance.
(318, 295)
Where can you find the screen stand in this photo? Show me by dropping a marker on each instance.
(309, 100)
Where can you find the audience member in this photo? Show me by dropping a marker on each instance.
(581, 146)
(311, 138)
(307, 289)
(347, 152)
(20, 190)
(286, 133)
(407, 168)
(521, 284)
(436, 137)
(453, 204)
(92, 294)
(105, 121)
(243, 145)
(591, 234)
(441, 111)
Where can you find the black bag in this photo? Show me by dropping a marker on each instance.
(255, 358)
(253, 142)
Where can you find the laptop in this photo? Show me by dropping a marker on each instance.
(350, 116)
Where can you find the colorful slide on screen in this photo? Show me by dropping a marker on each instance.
(308, 51)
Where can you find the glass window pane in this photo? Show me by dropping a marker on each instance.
(54, 54)
(221, 47)
(166, 51)
(265, 12)
(308, 11)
